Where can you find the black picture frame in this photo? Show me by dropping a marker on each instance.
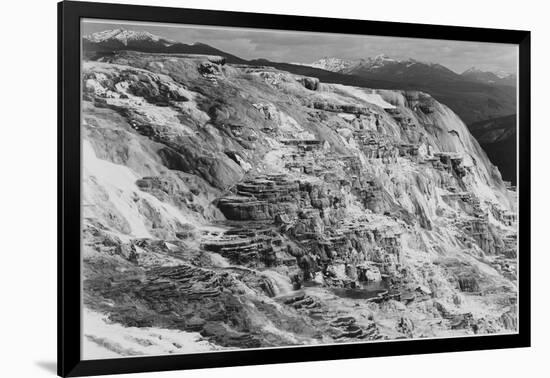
(69, 169)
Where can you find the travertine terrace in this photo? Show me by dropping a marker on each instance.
(244, 206)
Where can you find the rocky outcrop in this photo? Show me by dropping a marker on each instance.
(210, 71)
(311, 83)
(341, 108)
(244, 208)
(245, 246)
(468, 283)
(132, 82)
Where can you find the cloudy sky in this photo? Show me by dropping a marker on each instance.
(306, 47)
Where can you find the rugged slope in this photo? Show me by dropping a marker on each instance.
(242, 206)
(498, 138)
(471, 95)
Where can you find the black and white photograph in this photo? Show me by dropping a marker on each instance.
(259, 188)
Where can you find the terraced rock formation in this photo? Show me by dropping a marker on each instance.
(236, 206)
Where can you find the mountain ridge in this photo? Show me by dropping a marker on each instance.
(100, 43)
(473, 100)
(382, 61)
(489, 77)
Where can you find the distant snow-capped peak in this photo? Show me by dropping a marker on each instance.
(489, 77)
(339, 65)
(125, 36)
(382, 58)
(370, 63)
(472, 70)
(500, 74)
(331, 64)
(504, 74)
(377, 61)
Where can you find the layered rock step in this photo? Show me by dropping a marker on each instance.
(340, 328)
(243, 208)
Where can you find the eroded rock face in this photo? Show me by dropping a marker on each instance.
(244, 208)
(468, 283)
(310, 83)
(259, 208)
